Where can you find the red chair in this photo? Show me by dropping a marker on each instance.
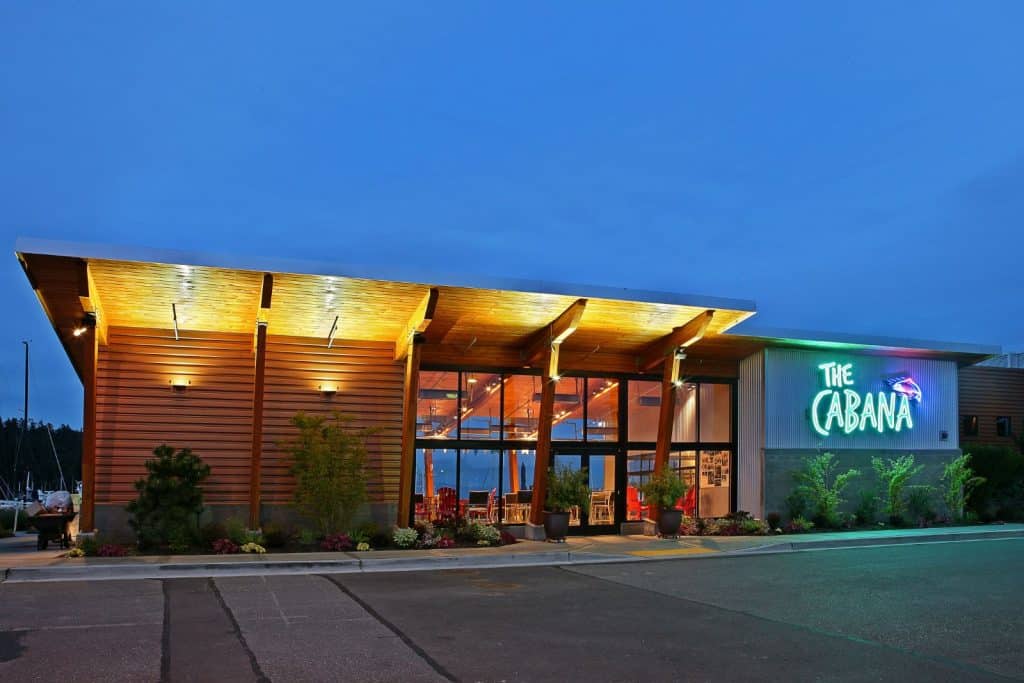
(447, 502)
(688, 503)
(634, 508)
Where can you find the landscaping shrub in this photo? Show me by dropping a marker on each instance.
(363, 547)
(225, 546)
(111, 550)
(893, 476)
(774, 520)
(822, 488)
(329, 467)
(796, 504)
(337, 543)
(253, 548)
(209, 533)
(1001, 495)
(664, 488)
(404, 538)
(507, 538)
(867, 508)
(276, 536)
(799, 525)
(959, 483)
(169, 498)
(568, 488)
(486, 534)
(237, 530)
(920, 507)
(90, 545)
(307, 537)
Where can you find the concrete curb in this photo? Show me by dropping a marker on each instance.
(358, 565)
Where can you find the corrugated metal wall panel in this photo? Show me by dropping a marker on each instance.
(792, 379)
(988, 393)
(750, 435)
(137, 410)
(370, 387)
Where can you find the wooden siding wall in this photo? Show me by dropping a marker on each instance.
(989, 393)
(138, 411)
(370, 386)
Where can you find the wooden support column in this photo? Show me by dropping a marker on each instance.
(256, 457)
(666, 413)
(90, 354)
(543, 459)
(408, 456)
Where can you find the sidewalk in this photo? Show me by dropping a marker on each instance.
(20, 562)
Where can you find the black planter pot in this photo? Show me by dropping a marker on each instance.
(556, 525)
(669, 521)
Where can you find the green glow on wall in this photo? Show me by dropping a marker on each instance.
(839, 407)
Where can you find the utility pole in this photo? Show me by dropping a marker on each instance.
(21, 440)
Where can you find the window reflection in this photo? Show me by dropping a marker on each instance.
(517, 486)
(684, 420)
(437, 405)
(602, 409)
(715, 413)
(567, 417)
(435, 483)
(522, 405)
(481, 402)
(644, 404)
(479, 471)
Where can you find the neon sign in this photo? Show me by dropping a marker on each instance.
(841, 408)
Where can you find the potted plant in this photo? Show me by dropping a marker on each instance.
(663, 489)
(567, 488)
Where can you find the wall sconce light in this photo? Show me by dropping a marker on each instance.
(328, 390)
(179, 384)
(79, 331)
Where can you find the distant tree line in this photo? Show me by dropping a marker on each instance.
(36, 455)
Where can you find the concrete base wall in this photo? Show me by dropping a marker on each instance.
(112, 520)
(780, 464)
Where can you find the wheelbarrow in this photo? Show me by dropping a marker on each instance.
(53, 526)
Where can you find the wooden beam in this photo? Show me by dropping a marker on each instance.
(256, 452)
(418, 323)
(89, 297)
(666, 413)
(90, 353)
(679, 338)
(543, 458)
(553, 334)
(408, 454)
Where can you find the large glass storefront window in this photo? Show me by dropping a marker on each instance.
(487, 422)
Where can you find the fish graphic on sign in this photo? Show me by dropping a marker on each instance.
(906, 386)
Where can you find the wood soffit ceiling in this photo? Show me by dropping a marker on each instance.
(139, 295)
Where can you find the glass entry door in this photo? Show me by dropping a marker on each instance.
(602, 474)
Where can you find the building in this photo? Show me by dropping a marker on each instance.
(992, 404)
(475, 385)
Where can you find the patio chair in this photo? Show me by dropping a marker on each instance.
(688, 503)
(602, 507)
(447, 502)
(635, 509)
(478, 506)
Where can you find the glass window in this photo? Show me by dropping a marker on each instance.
(517, 486)
(969, 425)
(567, 418)
(522, 405)
(574, 463)
(715, 413)
(1003, 427)
(644, 404)
(684, 422)
(602, 410)
(639, 465)
(481, 405)
(435, 483)
(602, 489)
(714, 483)
(437, 405)
(479, 471)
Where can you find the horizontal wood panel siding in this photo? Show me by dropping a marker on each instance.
(988, 393)
(369, 389)
(137, 410)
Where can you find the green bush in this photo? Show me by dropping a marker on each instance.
(90, 545)
(959, 483)
(208, 533)
(893, 476)
(796, 504)
(664, 488)
(867, 508)
(920, 504)
(236, 530)
(169, 499)
(329, 466)
(568, 488)
(822, 488)
(1002, 494)
(276, 536)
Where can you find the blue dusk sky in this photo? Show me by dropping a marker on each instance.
(854, 167)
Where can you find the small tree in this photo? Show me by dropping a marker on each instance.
(959, 481)
(329, 466)
(568, 488)
(822, 488)
(167, 509)
(893, 476)
(664, 488)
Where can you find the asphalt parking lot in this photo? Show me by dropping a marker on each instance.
(946, 611)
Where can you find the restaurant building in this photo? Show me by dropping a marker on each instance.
(474, 385)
